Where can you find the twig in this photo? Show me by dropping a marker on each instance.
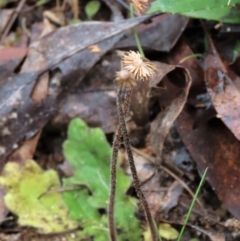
(113, 166)
(169, 172)
(13, 18)
(136, 181)
(183, 184)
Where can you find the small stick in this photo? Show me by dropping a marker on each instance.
(13, 18)
(136, 181)
(169, 172)
(115, 146)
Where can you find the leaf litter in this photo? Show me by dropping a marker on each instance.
(190, 106)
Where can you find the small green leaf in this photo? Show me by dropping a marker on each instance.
(3, 3)
(236, 51)
(41, 2)
(219, 10)
(92, 8)
(166, 231)
(25, 186)
(89, 154)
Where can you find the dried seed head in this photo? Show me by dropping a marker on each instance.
(125, 79)
(140, 67)
(140, 5)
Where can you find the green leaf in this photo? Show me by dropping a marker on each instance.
(92, 8)
(236, 51)
(25, 186)
(41, 2)
(219, 10)
(165, 230)
(3, 3)
(89, 153)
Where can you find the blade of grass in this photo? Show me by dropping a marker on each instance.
(191, 206)
(189, 57)
(156, 229)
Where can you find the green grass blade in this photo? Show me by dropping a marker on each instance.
(192, 204)
(135, 34)
(157, 230)
(189, 57)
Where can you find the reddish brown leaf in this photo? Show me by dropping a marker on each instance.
(223, 87)
(10, 58)
(211, 144)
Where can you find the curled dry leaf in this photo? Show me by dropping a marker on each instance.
(162, 123)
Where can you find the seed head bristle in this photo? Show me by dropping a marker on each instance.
(140, 5)
(125, 79)
(141, 68)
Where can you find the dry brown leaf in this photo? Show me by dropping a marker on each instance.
(172, 196)
(20, 116)
(54, 17)
(162, 123)
(26, 150)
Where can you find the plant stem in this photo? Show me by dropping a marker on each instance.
(113, 166)
(135, 34)
(136, 181)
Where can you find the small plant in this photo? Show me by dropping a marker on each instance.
(92, 8)
(88, 152)
(25, 187)
(134, 68)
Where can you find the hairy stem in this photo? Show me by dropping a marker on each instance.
(136, 181)
(113, 166)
